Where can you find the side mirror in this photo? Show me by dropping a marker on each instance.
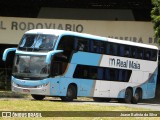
(49, 55)
(5, 53)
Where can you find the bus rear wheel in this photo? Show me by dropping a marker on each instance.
(71, 94)
(137, 96)
(38, 97)
(128, 95)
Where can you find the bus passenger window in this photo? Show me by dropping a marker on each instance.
(85, 72)
(126, 75)
(147, 54)
(93, 73)
(95, 46)
(107, 74)
(154, 55)
(77, 73)
(120, 75)
(66, 44)
(126, 51)
(82, 44)
(100, 73)
(102, 47)
(140, 53)
(133, 52)
(122, 51)
(111, 49)
(112, 75)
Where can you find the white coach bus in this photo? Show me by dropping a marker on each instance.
(69, 65)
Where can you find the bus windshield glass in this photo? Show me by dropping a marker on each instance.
(37, 42)
(30, 67)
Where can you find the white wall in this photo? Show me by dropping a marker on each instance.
(12, 29)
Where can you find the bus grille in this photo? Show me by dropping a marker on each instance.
(25, 86)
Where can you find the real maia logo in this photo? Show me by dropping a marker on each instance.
(124, 64)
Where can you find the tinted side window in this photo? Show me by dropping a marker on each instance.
(66, 43)
(126, 51)
(93, 73)
(126, 75)
(147, 54)
(95, 46)
(153, 55)
(122, 52)
(139, 53)
(102, 47)
(81, 72)
(111, 49)
(81, 44)
(133, 52)
(101, 73)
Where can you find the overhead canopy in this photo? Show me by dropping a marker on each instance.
(30, 8)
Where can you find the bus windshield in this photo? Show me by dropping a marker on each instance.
(37, 42)
(30, 67)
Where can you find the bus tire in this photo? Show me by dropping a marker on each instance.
(137, 96)
(128, 95)
(38, 97)
(71, 94)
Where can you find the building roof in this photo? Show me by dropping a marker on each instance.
(30, 8)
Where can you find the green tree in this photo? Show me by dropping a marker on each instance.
(155, 15)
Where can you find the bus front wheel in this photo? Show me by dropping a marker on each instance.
(71, 94)
(38, 97)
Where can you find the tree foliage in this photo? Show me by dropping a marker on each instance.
(155, 15)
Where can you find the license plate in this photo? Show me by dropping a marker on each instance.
(26, 90)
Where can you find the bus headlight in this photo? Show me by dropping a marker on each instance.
(43, 85)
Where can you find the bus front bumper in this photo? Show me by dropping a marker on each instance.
(41, 90)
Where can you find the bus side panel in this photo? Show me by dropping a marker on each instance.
(54, 88)
(148, 85)
(151, 86)
(84, 86)
(86, 58)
